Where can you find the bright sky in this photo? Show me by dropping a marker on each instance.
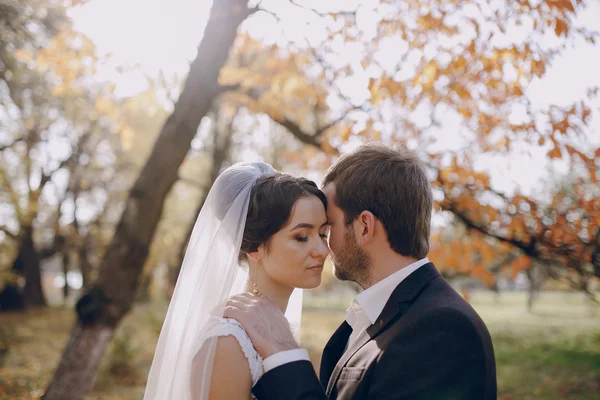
(163, 35)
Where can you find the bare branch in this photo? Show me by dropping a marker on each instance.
(56, 246)
(528, 248)
(14, 197)
(8, 146)
(321, 61)
(83, 140)
(321, 13)
(331, 124)
(312, 139)
(296, 130)
(507, 259)
(230, 88)
(9, 233)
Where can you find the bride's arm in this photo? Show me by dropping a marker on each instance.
(230, 376)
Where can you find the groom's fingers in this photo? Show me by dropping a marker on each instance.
(238, 304)
(254, 300)
(242, 302)
(250, 301)
(244, 297)
(248, 298)
(236, 309)
(247, 308)
(234, 312)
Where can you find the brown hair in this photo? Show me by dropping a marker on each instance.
(272, 200)
(391, 183)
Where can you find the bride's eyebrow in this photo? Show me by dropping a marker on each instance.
(306, 225)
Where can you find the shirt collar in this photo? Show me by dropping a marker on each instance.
(373, 299)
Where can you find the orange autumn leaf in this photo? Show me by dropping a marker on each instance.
(555, 153)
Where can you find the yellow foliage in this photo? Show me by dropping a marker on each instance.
(24, 55)
(59, 90)
(127, 136)
(345, 132)
(104, 105)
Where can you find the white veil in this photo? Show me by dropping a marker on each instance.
(210, 273)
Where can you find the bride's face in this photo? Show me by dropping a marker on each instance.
(298, 250)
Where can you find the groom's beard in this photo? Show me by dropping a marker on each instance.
(352, 263)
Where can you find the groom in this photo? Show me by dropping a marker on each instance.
(408, 335)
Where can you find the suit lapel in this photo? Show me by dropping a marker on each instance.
(398, 304)
(403, 296)
(333, 351)
(357, 345)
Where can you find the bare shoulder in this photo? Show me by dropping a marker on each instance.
(230, 365)
(229, 351)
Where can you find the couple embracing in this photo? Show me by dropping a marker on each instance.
(261, 235)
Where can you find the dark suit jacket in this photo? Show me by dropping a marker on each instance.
(428, 343)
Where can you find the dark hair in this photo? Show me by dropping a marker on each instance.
(272, 200)
(391, 183)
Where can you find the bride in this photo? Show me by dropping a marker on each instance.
(259, 231)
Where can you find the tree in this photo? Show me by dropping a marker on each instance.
(468, 62)
(563, 230)
(453, 64)
(101, 309)
(219, 148)
(13, 33)
(55, 119)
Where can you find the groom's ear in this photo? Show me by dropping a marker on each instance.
(364, 227)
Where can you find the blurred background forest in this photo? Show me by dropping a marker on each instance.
(117, 116)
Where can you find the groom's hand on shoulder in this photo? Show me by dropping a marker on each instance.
(264, 323)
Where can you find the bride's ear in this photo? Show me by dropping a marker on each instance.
(258, 254)
(254, 256)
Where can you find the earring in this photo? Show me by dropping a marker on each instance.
(254, 285)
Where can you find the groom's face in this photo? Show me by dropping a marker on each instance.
(350, 261)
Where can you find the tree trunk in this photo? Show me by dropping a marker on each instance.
(29, 264)
(536, 279)
(79, 364)
(84, 266)
(143, 290)
(220, 153)
(65, 265)
(101, 309)
(84, 269)
(11, 298)
(530, 298)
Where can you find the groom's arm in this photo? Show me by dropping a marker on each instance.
(284, 357)
(294, 380)
(289, 375)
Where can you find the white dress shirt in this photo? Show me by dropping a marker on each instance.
(362, 313)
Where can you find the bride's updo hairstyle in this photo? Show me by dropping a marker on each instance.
(272, 201)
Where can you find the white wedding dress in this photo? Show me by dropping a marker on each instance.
(219, 327)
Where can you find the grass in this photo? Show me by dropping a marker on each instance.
(552, 353)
